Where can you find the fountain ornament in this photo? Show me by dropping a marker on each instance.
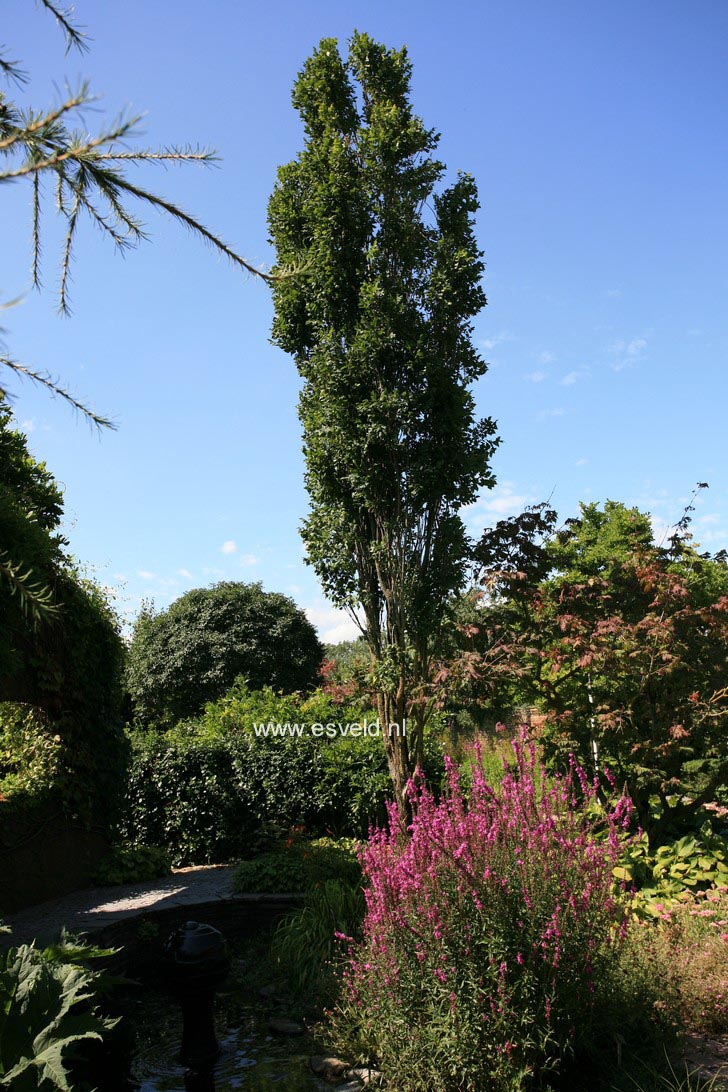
(195, 962)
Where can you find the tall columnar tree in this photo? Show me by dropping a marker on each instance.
(380, 327)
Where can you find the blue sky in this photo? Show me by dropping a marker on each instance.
(596, 134)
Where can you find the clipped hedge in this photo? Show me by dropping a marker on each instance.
(212, 790)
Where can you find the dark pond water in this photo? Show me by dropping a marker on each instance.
(250, 1057)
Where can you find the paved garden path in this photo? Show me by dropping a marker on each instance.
(95, 908)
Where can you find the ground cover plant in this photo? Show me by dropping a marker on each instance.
(300, 864)
(677, 869)
(132, 864)
(495, 953)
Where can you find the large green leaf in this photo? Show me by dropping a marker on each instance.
(47, 1006)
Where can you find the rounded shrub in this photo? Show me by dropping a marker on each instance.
(191, 653)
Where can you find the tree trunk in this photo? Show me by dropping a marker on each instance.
(391, 712)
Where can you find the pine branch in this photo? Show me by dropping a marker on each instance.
(122, 242)
(195, 227)
(12, 71)
(74, 35)
(66, 263)
(83, 164)
(36, 231)
(174, 154)
(47, 381)
(27, 126)
(72, 151)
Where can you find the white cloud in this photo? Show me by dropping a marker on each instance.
(536, 377)
(146, 575)
(581, 462)
(248, 560)
(489, 343)
(546, 357)
(615, 293)
(228, 547)
(570, 378)
(28, 425)
(557, 411)
(496, 504)
(185, 574)
(629, 351)
(333, 625)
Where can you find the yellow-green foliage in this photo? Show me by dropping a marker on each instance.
(693, 863)
(29, 750)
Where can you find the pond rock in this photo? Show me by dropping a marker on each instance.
(285, 1027)
(364, 1074)
(331, 1069)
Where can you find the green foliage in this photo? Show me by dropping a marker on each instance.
(689, 864)
(192, 652)
(48, 1009)
(242, 708)
(210, 790)
(623, 644)
(306, 941)
(65, 671)
(349, 658)
(300, 865)
(329, 873)
(31, 506)
(380, 328)
(132, 864)
(30, 753)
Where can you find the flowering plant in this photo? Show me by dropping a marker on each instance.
(493, 943)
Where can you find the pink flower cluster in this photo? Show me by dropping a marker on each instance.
(495, 906)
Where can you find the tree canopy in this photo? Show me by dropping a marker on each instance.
(380, 328)
(623, 644)
(190, 654)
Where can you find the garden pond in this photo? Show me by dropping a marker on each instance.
(252, 1058)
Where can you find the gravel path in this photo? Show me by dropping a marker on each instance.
(95, 908)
